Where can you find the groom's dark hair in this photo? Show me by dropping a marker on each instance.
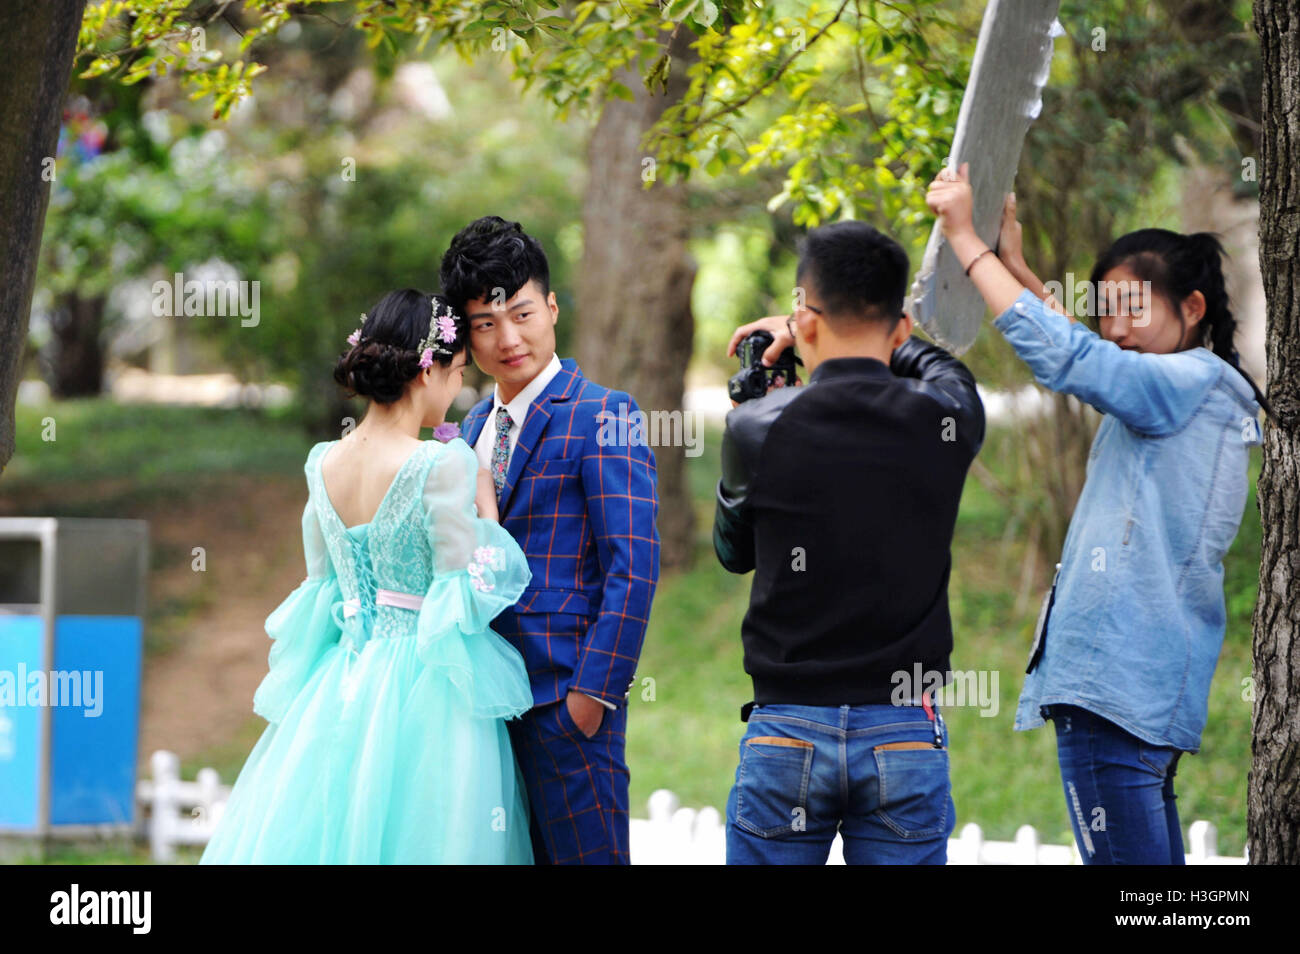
(491, 253)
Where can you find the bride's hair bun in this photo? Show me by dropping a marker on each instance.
(385, 356)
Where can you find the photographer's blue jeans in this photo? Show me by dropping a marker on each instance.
(870, 772)
(1119, 791)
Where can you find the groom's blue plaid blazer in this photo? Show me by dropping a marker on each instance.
(584, 514)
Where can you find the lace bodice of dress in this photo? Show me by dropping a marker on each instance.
(425, 566)
(392, 551)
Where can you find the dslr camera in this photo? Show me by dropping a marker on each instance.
(753, 380)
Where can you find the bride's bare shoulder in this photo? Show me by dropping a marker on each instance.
(354, 455)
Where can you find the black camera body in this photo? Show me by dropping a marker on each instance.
(753, 380)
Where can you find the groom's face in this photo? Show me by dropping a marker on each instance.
(513, 340)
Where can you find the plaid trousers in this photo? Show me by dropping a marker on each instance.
(577, 787)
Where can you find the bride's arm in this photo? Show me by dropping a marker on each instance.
(486, 497)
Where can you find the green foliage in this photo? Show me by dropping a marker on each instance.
(326, 207)
(830, 94)
(853, 101)
(848, 101)
(114, 217)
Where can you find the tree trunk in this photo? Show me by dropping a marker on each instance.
(76, 353)
(1273, 788)
(634, 325)
(38, 39)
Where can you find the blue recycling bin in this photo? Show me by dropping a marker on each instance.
(72, 595)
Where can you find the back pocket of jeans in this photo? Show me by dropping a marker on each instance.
(772, 789)
(914, 788)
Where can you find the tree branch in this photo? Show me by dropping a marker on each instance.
(780, 71)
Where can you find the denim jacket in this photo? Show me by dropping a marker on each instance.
(1138, 620)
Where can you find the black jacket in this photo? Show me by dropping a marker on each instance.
(842, 494)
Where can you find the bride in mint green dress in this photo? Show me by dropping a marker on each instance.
(388, 691)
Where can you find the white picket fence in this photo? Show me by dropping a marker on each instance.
(674, 835)
(179, 812)
(184, 813)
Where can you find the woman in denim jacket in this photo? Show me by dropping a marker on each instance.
(1124, 662)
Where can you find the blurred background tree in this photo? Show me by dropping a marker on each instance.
(342, 179)
(128, 203)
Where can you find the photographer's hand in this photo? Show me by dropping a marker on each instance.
(773, 325)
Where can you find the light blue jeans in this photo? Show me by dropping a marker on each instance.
(872, 772)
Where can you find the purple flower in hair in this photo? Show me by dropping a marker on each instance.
(442, 331)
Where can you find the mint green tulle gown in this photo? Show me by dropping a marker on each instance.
(388, 691)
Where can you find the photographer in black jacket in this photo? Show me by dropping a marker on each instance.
(842, 496)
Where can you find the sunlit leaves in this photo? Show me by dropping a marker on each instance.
(226, 85)
(847, 97)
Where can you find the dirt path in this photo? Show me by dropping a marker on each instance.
(199, 693)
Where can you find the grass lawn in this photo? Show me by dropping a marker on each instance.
(684, 719)
(148, 447)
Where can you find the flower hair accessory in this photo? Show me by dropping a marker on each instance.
(356, 335)
(442, 331)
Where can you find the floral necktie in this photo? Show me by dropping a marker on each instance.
(501, 452)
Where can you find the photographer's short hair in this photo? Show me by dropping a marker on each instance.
(858, 273)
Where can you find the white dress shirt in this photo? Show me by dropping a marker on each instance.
(517, 409)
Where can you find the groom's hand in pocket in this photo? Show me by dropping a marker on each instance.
(586, 713)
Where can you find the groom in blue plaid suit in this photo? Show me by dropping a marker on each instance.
(582, 508)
